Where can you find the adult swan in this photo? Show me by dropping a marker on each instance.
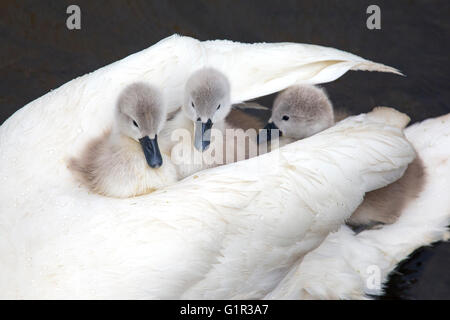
(235, 229)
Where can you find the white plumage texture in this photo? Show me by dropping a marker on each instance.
(228, 232)
(342, 267)
(232, 231)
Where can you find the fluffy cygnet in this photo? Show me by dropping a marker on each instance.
(299, 112)
(206, 102)
(215, 129)
(126, 160)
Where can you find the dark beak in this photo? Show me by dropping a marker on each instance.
(268, 132)
(202, 134)
(151, 151)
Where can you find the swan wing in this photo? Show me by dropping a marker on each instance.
(254, 70)
(232, 231)
(349, 266)
(260, 69)
(324, 178)
(58, 240)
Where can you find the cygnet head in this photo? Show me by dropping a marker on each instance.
(301, 111)
(206, 101)
(140, 115)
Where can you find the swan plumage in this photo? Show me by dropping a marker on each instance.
(342, 266)
(303, 110)
(58, 240)
(258, 272)
(281, 204)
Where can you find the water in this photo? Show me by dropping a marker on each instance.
(38, 54)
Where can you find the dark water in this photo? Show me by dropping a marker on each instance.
(39, 53)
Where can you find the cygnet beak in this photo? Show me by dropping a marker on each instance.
(202, 134)
(151, 151)
(268, 132)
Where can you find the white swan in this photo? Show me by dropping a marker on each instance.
(348, 265)
(57, 240)
(186, 240)
(250, 271)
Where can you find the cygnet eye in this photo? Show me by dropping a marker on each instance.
(218, 107)
(285, 118)
(192, 104)
(135, 124)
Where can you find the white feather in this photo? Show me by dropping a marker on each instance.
(230, 232)
(234, 230)
(343, 266)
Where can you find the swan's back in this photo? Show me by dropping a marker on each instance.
(281, 205)
(346, 265)
(58, 240)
